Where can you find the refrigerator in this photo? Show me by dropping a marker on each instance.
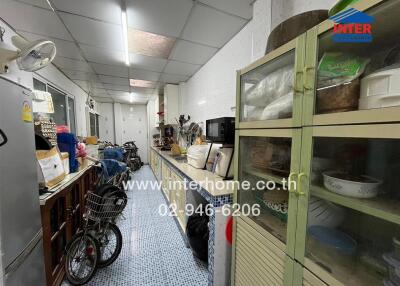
(21, 246)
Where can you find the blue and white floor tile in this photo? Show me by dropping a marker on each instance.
(153, 252)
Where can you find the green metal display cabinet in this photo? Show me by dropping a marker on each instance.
(363, 217)
(331, 136)
(264, 243)
(282, 107)
(349, 99)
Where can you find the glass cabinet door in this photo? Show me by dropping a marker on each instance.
(266, 160)
(355, 82)
(267, 88)
(349, 217)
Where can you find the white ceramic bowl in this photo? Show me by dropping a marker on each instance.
(324, 213)
(351, 188)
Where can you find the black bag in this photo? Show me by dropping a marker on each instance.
(197, 233)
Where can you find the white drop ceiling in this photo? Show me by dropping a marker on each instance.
(168, 40)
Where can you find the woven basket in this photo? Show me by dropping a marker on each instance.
(339, 98)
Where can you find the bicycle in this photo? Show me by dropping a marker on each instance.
(131, 157)
(87, 250)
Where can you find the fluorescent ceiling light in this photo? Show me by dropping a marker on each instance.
(201, 102)
(150, 44)
(131, 98)
(125, 35)
(141, 83)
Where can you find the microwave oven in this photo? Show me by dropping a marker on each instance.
(221, 130)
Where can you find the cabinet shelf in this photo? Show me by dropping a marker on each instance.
(378, 115)
(261, 174)
(380, 207)
(271, 224)
(358, 275)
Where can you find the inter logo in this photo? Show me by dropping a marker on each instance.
(352, 26)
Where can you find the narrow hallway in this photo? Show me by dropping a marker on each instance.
(153, 251)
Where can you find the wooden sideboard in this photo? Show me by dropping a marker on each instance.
(62, 217)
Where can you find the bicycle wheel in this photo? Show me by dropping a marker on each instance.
(81, 259)
(110, 242)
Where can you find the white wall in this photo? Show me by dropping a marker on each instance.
(211, 92)
(49, 74)
(118, 123)
(134, 127)
(106, 122)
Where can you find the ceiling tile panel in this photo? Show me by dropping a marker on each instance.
(148, 63)
(142, 90)
(79, 75)
(159, 16)
(172, 78)
(31, 19)
(99, 91)
(95, 33)
(70, 64)
(83, 84)
(119, 71)
(149, 44)
(180, 68)
(211, 27)
(65, 49)
(192, 53)
(105, 10)
(39, 3)
(115, 87)
(118, 93)
(114, 80)
(143, 74)
(103, 99)
(241, 8)
(102, 56)
(97, 85)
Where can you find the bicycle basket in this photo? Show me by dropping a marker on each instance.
(102, 208)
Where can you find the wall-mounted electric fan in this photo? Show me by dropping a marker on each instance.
(31, 56)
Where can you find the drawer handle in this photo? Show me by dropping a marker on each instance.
(298, 86)
(290, 178)
(306, 82)
(299, 187)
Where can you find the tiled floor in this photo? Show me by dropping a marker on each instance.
(153, 252)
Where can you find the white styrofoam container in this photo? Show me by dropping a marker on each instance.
(65, 160)
(380, 89)
(197, 155)
(196, 161)
(92, 151)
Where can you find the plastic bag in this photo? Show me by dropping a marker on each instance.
(253, 113)
(274, 85)
(280, 108)
(197, 233)
(338, 68)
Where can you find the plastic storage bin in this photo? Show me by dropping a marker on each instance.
(380, 89)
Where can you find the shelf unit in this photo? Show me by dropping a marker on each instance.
(62, 218)
(361, 142)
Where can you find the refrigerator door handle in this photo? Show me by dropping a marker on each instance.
(5, 139)
(25, 253)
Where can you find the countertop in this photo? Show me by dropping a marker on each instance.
(68, 180)
(210, 182)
